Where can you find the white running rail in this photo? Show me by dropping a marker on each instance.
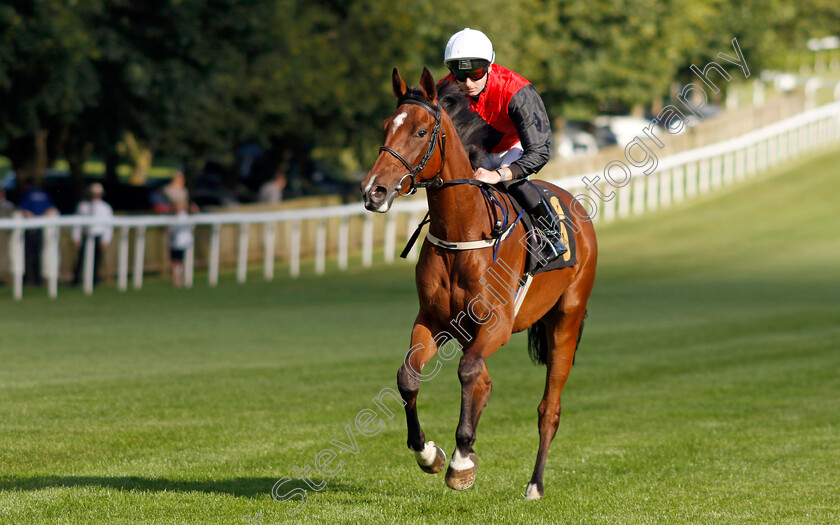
(677, 177)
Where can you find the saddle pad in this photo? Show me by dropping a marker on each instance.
(567, 229)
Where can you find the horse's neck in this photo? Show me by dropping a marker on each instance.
(457, 212)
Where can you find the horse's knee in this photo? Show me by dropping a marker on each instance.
(407, 383)
(470, 368)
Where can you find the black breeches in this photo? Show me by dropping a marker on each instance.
(34, 241)
(78, 272)
(525, 193)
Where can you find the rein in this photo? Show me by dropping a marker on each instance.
(435, 181)
(500, 230)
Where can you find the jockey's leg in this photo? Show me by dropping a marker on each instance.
(545, 217)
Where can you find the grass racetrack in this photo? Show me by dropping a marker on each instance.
(706, 388)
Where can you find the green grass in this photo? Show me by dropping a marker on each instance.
(705, 391)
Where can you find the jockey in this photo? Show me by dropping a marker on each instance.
(522, 132)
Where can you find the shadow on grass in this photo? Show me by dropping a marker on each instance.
(239, 487)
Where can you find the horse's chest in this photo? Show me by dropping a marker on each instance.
(445, 295)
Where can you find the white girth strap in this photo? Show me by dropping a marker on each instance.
(522, 292)
(469, 245)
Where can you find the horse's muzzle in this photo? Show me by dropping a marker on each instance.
(376, 197)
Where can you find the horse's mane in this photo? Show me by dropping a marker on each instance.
(472, 130)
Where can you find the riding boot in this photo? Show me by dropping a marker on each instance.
(547, 222)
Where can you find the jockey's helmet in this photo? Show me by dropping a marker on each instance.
(468, 49)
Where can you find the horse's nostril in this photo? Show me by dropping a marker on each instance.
(378, 194)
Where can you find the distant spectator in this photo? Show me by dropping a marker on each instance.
(101, 234)
(34, 202)
(6, 207)
(271, 192)
(159, 202)
(6, 210)
(176, 190)
(180, 239)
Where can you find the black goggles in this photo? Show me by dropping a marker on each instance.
(473, 74)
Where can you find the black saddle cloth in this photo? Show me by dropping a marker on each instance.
(533, 239)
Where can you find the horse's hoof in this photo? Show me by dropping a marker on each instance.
(534, 491)
(460, 479)
(431, 459)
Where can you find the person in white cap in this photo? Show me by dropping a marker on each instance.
(520, 139)
(101, 234)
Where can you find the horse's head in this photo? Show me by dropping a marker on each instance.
(412, 136)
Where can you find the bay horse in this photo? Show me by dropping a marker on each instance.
(459, 309)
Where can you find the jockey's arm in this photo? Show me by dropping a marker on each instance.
(527, 111)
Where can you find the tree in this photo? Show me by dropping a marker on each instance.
(47, 78)
(195, 79)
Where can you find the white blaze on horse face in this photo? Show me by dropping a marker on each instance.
(370, 183)
(398, 121)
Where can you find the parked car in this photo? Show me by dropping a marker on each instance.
(604, 137)
(691, 120)
(625, 128)
(574, 141)
(209, 191)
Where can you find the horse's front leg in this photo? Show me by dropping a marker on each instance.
(480, 397)
(475, 390)
(429, 456)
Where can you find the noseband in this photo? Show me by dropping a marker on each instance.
(437, 180)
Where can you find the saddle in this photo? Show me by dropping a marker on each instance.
(503, 229)
(533, 239)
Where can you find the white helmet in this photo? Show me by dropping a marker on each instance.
(469, 44)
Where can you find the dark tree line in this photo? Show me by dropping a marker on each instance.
(195, 78)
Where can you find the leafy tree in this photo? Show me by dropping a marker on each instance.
(194, 79)
(47, 78)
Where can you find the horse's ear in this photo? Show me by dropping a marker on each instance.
(399, 85)
(427, 84)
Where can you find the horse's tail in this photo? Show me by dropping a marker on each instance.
(538, 341)
(580, 333)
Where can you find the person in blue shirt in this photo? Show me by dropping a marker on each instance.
(34, 202)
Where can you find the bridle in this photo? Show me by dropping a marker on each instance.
(501, 228)
(437, 180)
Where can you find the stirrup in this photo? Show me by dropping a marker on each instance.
(552, 247)
(555, 247)
(546, 226)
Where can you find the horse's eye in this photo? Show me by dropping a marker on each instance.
(421, 133)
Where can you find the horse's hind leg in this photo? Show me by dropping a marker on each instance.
(562, 335)
(429, 456)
